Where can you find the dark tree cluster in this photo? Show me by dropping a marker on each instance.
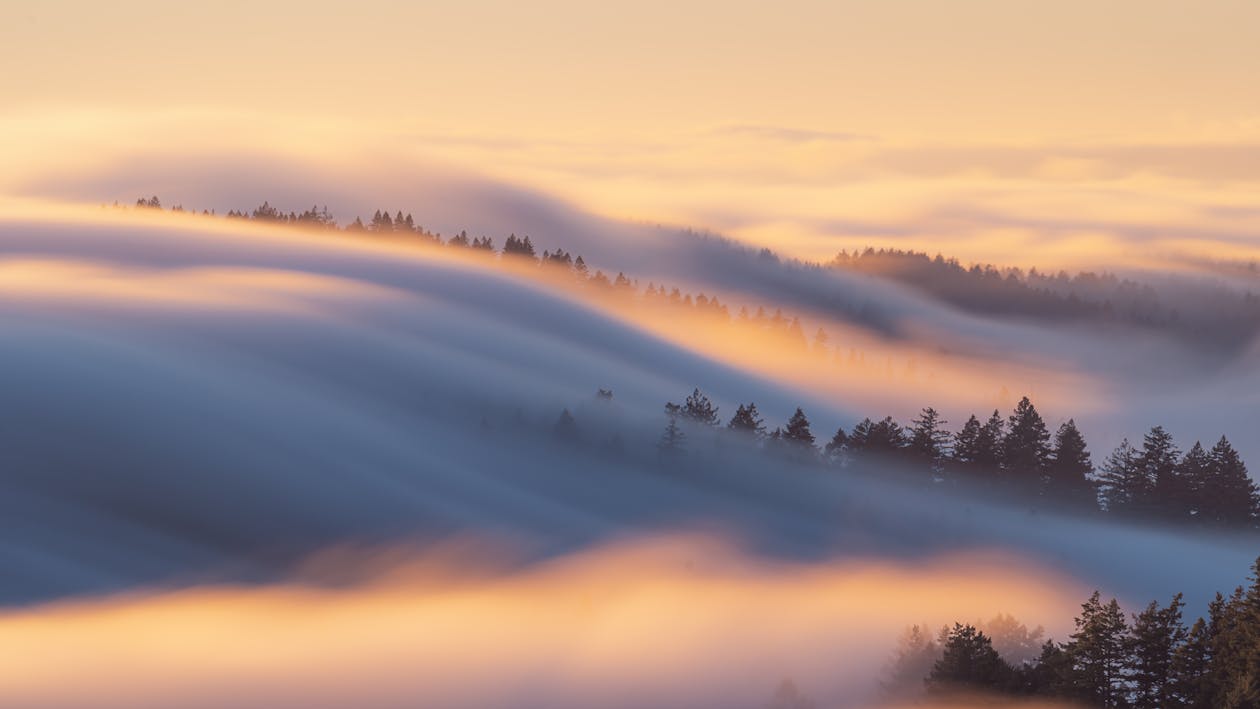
(1147, 660)
(1019, 454)
(1216, 314)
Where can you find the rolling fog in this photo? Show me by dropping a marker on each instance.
(228, 427)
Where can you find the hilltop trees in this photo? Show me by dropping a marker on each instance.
(928, 442)
(1155, 483)
(1152, 663)
(969, 662)
(1227, 496)
(1026, 447)
(747, 420)
(1070, 467)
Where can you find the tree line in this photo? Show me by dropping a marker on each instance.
(1147, 660)
(1207, 313)
(1018, 453)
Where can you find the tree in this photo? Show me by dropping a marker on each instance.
(746, 420)
(911, 663)
(1158, 462)
(673, 441)
(964, 451)
(834, 450)
(1121, 484)
(1157, 633)
(1189, 684)
(699, 409)
(1194, 470)
(969, 662)
(1069, 469)
(518, 247)
(879, 438)
(1026, 447)
(1098, 650)
(928, 442)
(797, 432)
(1228, 496)
(787, 696)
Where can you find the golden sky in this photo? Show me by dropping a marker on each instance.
(979, 126)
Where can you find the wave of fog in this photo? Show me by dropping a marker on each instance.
(665, 622)
(191, 403)
(1124, 380)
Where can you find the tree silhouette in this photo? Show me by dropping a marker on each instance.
(1026, 447)
(1098, 651)
(969, 662)
(1153, 639)
(673, 441)
(797, 432)
(928, 442)
(699, 409)
(1122, 484)
(747, 420)
(1165, 494)
(1228, 496)
(1069, 469)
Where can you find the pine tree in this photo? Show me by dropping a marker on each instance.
(698, 409)
(884, 438)
(969, 662)
(1121, 484)
(1194, 469)
(1165, 492)
(928, 442)
(797, 432)
(1228, 496)
(988, 450)
(1070, 467)
(965, 448)
(1098, 652)
(673, 441)
(833, 452)
(1234, 674)
(1188, 684)
(1026, 447)
(911, 663)
(1156, 635)
(747, 420)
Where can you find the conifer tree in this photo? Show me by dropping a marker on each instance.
(1189, 684)
(1228, 497)
(747, 420)
(1194, 469)
(964, 450)
(834, 450)
(1098, 651)
(988, 450)
(1026, 447)
(797, 432)
(1070, 467)
(1165, 494)
(969, 662)
(699, 409)
(1156, 635)
(1121, 484)
(928, 442)
(673, 441)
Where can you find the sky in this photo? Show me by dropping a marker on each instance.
(1070, 133)
(284, 376)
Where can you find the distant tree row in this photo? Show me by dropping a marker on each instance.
(1214, 313)
(1018, 453)
(1151, 660)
